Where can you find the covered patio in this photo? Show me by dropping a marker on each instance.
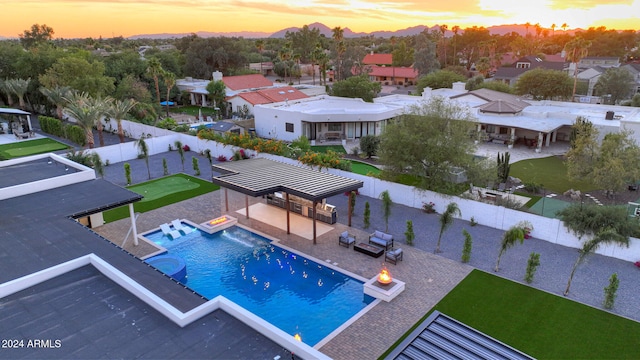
(262, 177)
(12, 119)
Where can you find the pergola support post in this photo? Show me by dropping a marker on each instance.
(132, 215)
(287, 208)
(226, 200)
(315, 202)
(246, 204)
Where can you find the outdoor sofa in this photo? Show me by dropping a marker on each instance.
(381, 239)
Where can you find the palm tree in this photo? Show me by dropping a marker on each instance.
(207, 154)
(338, 37)
(564, 26)
(606, 236)
(260, 47)
(4, 87)
(284, 54)
(103, 104)
(143, 150)
(553, 29)
(446, 220)
(455, 30)
(443, 29)
(576, 49)
(154, 68)
(527, 27)
(170, 82)
(96, 162)
(180, 149)
(323, 65)
(19, 88)
(86, 111)
(56, 97)
(315, 56)
(117, 110)
(296, 58)
(510, 237)
(386, 208)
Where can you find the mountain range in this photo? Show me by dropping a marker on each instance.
(348, 33)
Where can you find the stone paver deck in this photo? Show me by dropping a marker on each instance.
(428, 277)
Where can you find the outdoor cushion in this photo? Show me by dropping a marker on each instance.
(345, 234)
(386, 237)
(378, 234)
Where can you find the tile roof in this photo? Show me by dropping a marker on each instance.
(378, 59)
(272, 95)
(401, 72)
(243, 82)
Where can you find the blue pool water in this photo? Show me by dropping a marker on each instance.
(293, 293)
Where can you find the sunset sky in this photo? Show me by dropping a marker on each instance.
(108, 18)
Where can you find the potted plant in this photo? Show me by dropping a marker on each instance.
(429, 207)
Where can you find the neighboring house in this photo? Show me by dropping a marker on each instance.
(378, 59)
(243, 102)
(222, 127)
(602, 61)
(510, 74)
(634, 70)
(393, 75)
(591, 76)
(265, 68)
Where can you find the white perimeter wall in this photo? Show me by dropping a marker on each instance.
(498, 217)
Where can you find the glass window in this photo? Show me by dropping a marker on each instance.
(289, 127)
(335, 127)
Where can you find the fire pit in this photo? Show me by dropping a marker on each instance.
(384, 277)
(383, 286)
(219, 223)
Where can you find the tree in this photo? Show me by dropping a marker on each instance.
(402, 55)
(57, 96)
(610, 291)
(180, 149)
(357, 87)
(503, 166)
(260, 46)
(369, 145)
(446, 220)
(19, 88)
(605, 236)
(438, 80)
(443, 30)
(466, 247)
(117, 110)
(428, 141)
(170, 82)
(143, 151)
(217, 92)
(576, 49)
(86, 111)
(510, 237)
(544, 84)
(154, 68)
(207, 155)
(104, 106)
(617, 82)
(66, 71)
(409, 234)
(616, 164)
(352, 204)
(338, 37)
(366, 215)
(37, 35)
(386, 208)
(96, 163)
(425, 60)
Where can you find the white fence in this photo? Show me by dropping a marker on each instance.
(498, 217)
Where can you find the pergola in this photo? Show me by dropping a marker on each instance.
(260, 176)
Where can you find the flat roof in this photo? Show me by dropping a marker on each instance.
(260, 176)
(442, 337)
(13, 111)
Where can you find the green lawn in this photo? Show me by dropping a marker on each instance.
(162, 192)
(192, 110)
(551, 172)
(30, 147)
(543, 325)
(363, 168)
(323, 148)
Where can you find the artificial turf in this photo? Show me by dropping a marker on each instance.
(551, 172)
(363, 169)
(30, 147)
(162, 192)
(323, 148)
(541, 324)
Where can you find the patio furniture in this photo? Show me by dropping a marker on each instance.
(368, 249)
(393, 256)
(177, 224)
(381, 239)
(345, 239)
(172, 234)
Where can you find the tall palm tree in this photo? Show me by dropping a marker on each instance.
(103, 105)
(606, 236)
(284, 54)
(154, 68)
(553, 29)
(526, 26)
(510, 237)
(170, 82)
(323, 65)
(19, 88)
(338, 37)
(57, 96)
(296, 58)
(86, 111)
(315, 56)
(443, 30)
(117, 110)
(576, 49)
(446, 220)
(564, 26)
(143, 150)
(260, 46)
(455, 30)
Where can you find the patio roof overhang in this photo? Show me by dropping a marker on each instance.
(9, 111)
(260, 176)
(544, 125)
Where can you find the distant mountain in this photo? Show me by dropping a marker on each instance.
(348, 33)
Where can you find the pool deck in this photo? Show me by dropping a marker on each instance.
(428, 277)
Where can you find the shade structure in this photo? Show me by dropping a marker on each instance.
(165, 103)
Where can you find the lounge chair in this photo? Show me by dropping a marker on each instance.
(381, 239)
(345, 239)
(177, 224)
(393, 256)
(172, 234)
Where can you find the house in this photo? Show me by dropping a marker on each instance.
(590, 76)
(510, 74)
(393, 75)
(634, 70)
(378, 59)
(602, 61)
(243, 103)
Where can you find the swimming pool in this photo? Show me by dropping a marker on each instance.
(291, 292)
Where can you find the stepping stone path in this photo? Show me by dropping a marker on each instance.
(551, 195)
(519, 187)
(594, 199)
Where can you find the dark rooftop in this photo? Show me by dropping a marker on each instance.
(31, 171)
